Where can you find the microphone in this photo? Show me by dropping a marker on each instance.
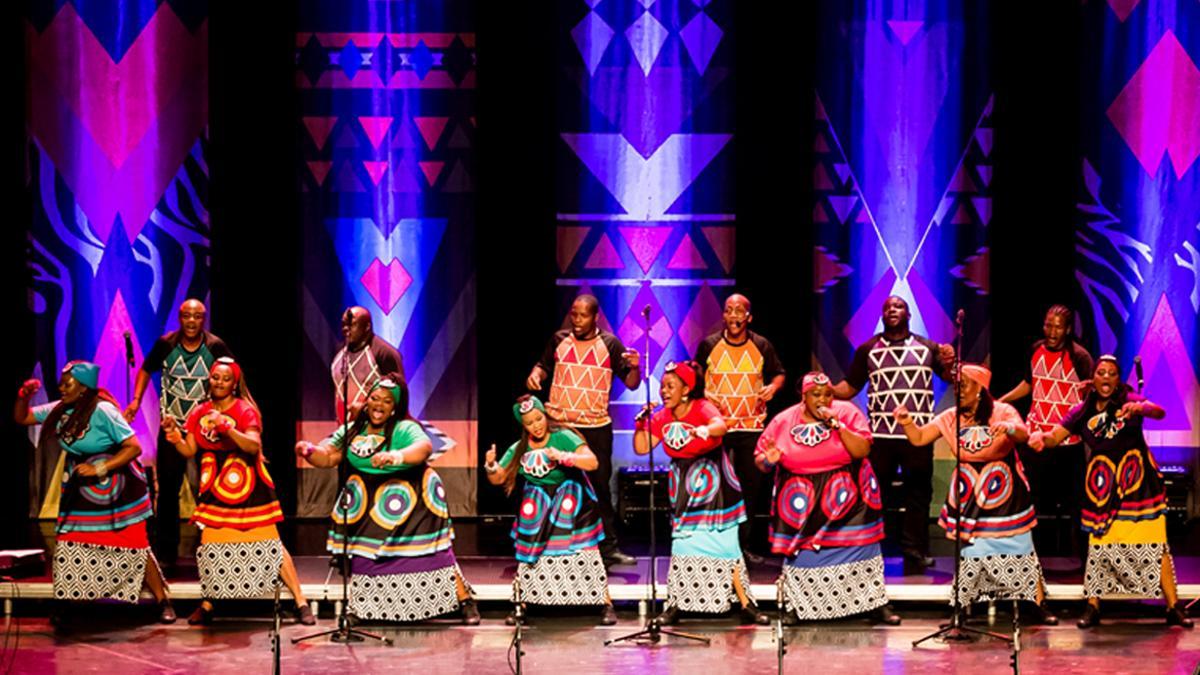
(128, 348)
(646, 311)
(958, 319)
(1141, 377)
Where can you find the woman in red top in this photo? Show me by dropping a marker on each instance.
(707, 573)
(240, 555)
(827, 514)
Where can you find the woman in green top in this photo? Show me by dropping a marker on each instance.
(558, 524)
(392, 515)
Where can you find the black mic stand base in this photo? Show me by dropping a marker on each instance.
(653, 633)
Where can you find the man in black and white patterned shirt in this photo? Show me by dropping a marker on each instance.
(366, 356)
(899, 366)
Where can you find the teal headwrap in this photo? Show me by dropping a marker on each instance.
(391, 386)
(525, 405)
(84, 372)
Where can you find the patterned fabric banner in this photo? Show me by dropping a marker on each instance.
(118, 114)
(386, 134)
(1137, 238)
(902, 181)
(645, 197)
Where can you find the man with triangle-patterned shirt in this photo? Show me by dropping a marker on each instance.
(183, 357)
(741, 374)
(899, 366)
(1058, 379)
(582, 362)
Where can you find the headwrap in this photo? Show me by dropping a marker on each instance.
(237, 370)
(84, 372)
(390, 385)
(1110, 358)
(813, 379)
(684, 372)
(977, 373)
(527, 405)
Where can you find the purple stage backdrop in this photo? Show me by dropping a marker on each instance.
(903, 176)
(645, 203)
(117, 114)
(1138, 229)
(387, 130)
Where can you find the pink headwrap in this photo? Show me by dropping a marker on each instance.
(813, 379)
(978, 373)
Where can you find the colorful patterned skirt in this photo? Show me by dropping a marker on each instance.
(404, 588)
(236, 491)
(999, 568)
(556, 535)
(834, 582)
(238, 564)
(104, 565)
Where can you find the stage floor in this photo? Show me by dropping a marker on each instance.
(574, 645)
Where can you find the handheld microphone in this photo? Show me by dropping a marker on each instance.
(646, 311)
(128, 348)
(958, 319)
(1141, 377)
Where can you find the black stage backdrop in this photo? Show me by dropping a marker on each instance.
(254, 160)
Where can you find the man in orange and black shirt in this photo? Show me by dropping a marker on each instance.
(582, 362)
(741, 374)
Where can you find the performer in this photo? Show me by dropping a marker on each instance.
(184, 358)
(741, 374)
(583, 361)
(707, 573)
(1125, 511)
(1058, 368)
(240, 555)
(365, 358)
(988, 506)
(102, 551)
(827, 508)
(393, 509)
(558, 526)
(899, 366)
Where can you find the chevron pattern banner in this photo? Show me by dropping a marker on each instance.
(902, 181)
(117, 125)
(387, 127)
(1137, 237)
(645, 204)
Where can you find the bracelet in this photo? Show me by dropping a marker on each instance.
(702, 432)
(1011, 430)
(491, 467)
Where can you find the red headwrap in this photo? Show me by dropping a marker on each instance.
(237, 370)
(684, 371)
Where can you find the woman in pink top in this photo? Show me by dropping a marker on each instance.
(988, 506)
(826, 515)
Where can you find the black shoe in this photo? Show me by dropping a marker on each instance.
(790, 619)
(304, 615)
(669, 617)
(470, 612)
(1090, 618)
(1176, 616)
(608, 615)
(200, 617)
(884, 615)
(752, 558)
(916, 565)
(616, 557)
(750, 615)
(166, 613)
(1041, 614)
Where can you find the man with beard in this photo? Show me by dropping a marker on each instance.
(184, 358)
(364, 360)
(1058, 367)
(582, 362)
(899, 366)
(741, 374)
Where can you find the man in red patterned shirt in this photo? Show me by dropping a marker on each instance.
(1057, 377)
(581, 363)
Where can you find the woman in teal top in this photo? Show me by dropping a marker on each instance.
(392, 515)
(558, 525)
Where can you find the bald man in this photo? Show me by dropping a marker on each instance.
(368, 356)
(741, 374)
(183, 359)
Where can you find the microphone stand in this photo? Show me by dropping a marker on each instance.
(519, 623)
(276, 620)
(780, 639)
(344, 633)
(653, 631)
(957, 630)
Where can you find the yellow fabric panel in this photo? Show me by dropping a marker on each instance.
(1134, 532)
(228, 535)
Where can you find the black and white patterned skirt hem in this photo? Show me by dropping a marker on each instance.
(92, 572)
(1124, 571)
(576, 579)
(412, 596)
(699, 583)
(835, 591)
(1002, 576)
(231, 571)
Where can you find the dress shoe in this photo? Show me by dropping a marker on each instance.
(470, 612)
(750, 615)
(1177, 617)
(1090, 618)
(884, 615)
(608, 615)
(166, 613)
(616, 557)
(669, 617)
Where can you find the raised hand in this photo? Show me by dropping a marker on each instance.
(29, 388)
(1130, 409)
(490, 455)
(772, 452)
(131, 411)
(534, 381)
(633, 358)
(901, 415)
